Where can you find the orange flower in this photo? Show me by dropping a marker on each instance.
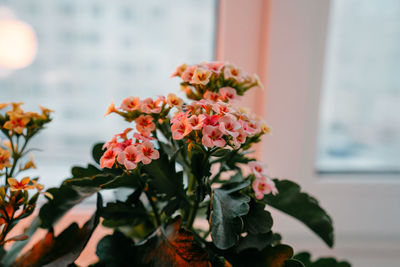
(174, 101)
(16, 108)
(4, 158)
(17, 122)
(3, 105)
(201, 76)
(29, 164)
(111, 108)
(23, 185)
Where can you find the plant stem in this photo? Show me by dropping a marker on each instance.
(192, 214)
(154, 207)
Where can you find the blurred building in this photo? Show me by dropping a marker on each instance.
(92, 52)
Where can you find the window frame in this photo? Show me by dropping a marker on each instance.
(284, 41)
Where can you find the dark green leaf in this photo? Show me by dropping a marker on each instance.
(97, 152)
(164, 178)
(258, 220)
(293, 263)
(62, 250)
(116, 250)
(227, 208)
(221, 152)
(125, 180)
(69, 194)
(121, 214)
(89, 171)
(305, 258)
(303, 207)
(254, 241)
(17, 247)
(270, 256)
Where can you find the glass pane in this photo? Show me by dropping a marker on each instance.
(92, 52)
(360, 111)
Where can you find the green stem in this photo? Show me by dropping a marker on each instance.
(192, 214)
(154, 207)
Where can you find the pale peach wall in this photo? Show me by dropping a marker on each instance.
(242, 39)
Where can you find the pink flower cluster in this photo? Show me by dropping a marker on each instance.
(215, 124)
(203, 73)
(146, 106)
(127, 153)
(262, 185)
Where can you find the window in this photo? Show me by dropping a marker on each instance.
(359, 119)
(92, 52)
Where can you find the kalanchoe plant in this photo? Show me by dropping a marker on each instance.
(16, 203)
(196, 196)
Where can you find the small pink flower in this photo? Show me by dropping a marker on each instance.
(178, 116)
(263, 186)
(111, 109)
(145, 124)
(124, 134)
(215, 67)
(206, 104)
(188, 73)
(179, 70)
(257, 168)
(108, 159)
(130, 157)
(212, 136)
(121, 146)
(250, 127)
(130, 103)
(211, 96)
(228, 125)
(110, 144)
(149, 106)
(239, 139)
(209, 120)
(195, 122)
(174, 101)
(221, 108)
(232, 72)
(227, 93)
(148, 152)
(194, 107)
(142, 137)
(201, 76)
(180, 129)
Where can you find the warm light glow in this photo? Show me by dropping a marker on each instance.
(18, 44)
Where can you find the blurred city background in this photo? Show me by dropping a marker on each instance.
(90, 53)
(75, 57)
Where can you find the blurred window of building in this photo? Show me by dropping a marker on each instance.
(92, 52)
(360, 108)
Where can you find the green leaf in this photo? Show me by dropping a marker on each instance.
(116, 250)
(270, 256)
(125, 180)
(164, 178)
(303, 207)
(228, 205)
(293, 263)
(121, 214)
(254, 241)
(305, 258)
(221, 152)
(69, 194)
(200, 165)
(97, 152)
(89, 171)
(62, 250)
(12, 253)
(258, 220)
